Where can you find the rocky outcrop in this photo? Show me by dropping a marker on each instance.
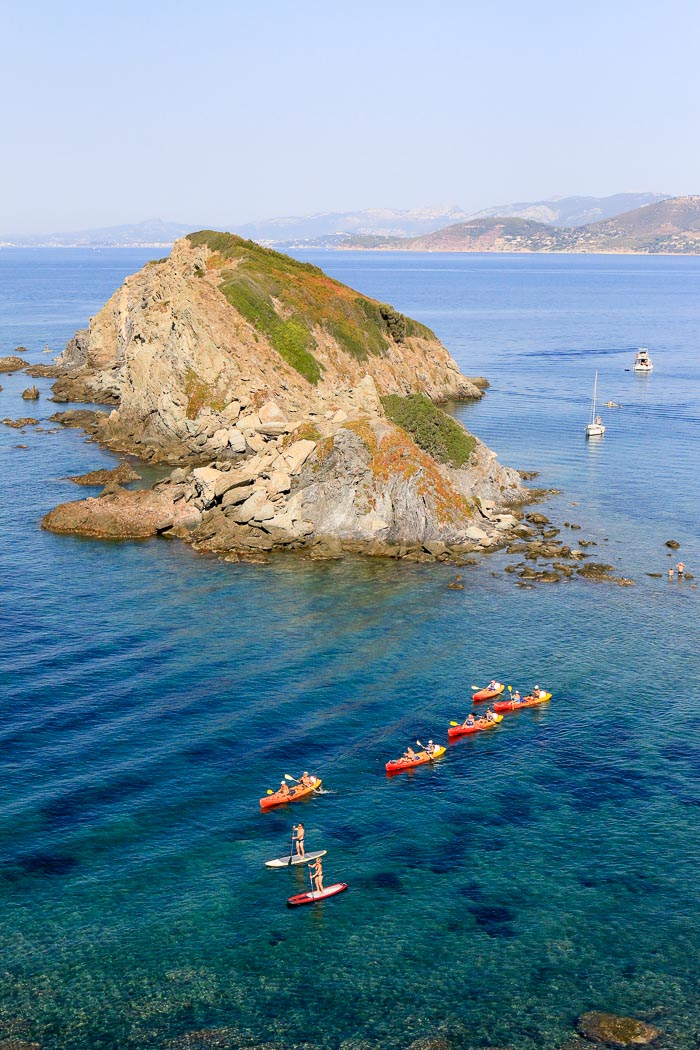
(31, 393)
(270, 380)
(616, 1031)
(11, 364)
(190, 344)
(25, 421)
(122, 515)
(120, 475)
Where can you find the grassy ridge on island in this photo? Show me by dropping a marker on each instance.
(287, 300)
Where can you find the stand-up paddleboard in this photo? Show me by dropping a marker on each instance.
(286, 862)
(314, 895)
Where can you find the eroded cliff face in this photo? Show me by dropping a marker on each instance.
(184, 364)
(266, 378)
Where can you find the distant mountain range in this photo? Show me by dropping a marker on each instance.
(334, 229)
(668, 227)
(573, 211)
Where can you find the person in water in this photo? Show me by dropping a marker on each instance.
(298, 838)
(680, 568)
(670, 574)
(316, 871)
(469, 720)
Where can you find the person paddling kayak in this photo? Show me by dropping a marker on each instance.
(469, 721)
(491, 716)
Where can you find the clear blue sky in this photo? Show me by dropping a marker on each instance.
(220, 112)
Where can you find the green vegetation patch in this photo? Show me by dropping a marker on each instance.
(286, 300)
(200, 394)
(432, 429)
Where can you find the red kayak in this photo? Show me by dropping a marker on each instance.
(487, 694)
(316, 895)
(454, 731)
(528, 701)
(398, 764)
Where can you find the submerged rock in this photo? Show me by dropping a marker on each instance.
(616, 1031)
(25, 421)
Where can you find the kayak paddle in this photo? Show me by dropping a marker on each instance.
(287, 777)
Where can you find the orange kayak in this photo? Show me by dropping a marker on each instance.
(454, 731)
(279, 799)
(487, 694)
(528, 701)
(421, 758)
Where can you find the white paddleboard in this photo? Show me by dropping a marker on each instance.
(286, 862)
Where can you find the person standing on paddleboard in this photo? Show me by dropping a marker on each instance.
(316, 872)
(298, 838)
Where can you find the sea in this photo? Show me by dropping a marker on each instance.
(150, 696)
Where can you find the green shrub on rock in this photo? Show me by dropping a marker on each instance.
(432, 429)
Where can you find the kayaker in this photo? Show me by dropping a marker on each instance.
(493, 686)
(316, 871)
(298, 839)
(490, 715)
(283, 789)
(431, 748)
(307, 781)
(409, 754)
(537, 693)
(469, 720)
(516, 697)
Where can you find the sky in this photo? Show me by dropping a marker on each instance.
(217, 113)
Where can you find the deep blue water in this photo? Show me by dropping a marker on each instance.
(150, 697)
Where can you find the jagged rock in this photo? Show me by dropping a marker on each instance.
(535, 518)
(297, 454)
(594, 570)
(270, 413)
(11, 364)
(121, 474)
(31, 393)
(616, 1031)
(206, 480)
(280, 481)
(673, 544)
(236, 440)
(233, 479)
(25, 421)
(119, 514)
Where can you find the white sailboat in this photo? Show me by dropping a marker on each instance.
(642, 362)
(595, 428)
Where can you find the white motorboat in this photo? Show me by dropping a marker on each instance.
(596, 427)
(642, 362)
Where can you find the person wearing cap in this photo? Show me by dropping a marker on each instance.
(431, 748)
(298, 838)
(490, 715)
(307, 781)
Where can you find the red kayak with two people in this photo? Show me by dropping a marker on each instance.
(537, 696)
(411, 758)
(303, 787)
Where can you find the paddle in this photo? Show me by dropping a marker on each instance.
(291, 851)
(474, 687)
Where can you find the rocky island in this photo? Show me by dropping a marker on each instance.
(297, 414)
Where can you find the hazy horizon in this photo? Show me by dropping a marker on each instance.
(224, 115)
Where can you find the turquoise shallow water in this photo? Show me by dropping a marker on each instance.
(150, 696)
